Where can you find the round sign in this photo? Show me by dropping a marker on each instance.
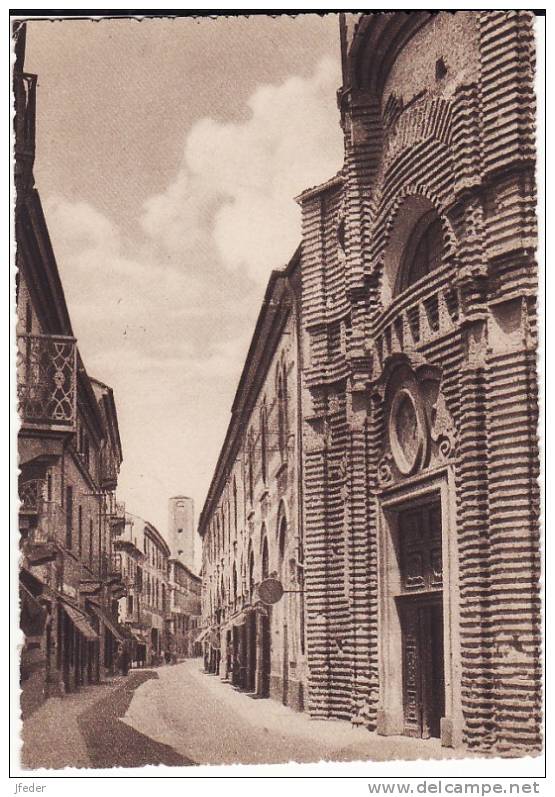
(270, 590)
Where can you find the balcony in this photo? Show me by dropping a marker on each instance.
(115, 514)
(41, 540)
(420, 315)
(46, 382)
(31, 494)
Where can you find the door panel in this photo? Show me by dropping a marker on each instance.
(412, 697)
(421, 612)
(423, 666)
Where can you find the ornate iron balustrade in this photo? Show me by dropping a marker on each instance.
(51, 523)
(108, 471)
(31, 493)
(47, 380)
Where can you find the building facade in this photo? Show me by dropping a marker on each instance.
(416, 531)
(184, 591)
(251, 525)
(146, 554)
(69, 458)
(181, 529)
(420, 456)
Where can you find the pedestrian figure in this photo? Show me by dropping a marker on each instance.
(124, 660)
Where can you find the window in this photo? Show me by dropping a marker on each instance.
(264, 443)
(282, 411)
(251, 572)
(86, 451)
(441, 69)
(250, 455)
(234, 507)
(69, 517)
(90, 541)
(265, 559)
(282, 539)
(180, 531)
(49, 487)
(423, 251)
(80, 529)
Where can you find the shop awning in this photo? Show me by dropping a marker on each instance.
(202, 635)
(33, 615)
(81, 622)
(110, 625)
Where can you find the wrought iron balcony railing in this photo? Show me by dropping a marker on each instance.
(108, 471)
(31, 494)
(51, 522)
(47, 381)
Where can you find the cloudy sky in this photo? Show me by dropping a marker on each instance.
(168, 156)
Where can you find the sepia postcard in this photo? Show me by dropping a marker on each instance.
(276, 325)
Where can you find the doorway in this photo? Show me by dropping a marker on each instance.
(421, 615)
(423, 667)
(418, 600)
(266, 662)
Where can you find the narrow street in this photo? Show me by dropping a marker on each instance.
(208, 721)
(83, 730)
(179, 715)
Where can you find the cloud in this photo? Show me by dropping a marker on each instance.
(164, 312)
(236, 184)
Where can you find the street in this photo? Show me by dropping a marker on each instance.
(179, 715)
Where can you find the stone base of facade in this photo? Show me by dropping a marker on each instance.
(288, 692)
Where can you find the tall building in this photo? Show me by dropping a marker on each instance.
(181, 530)
(419, 457)
(184, 603)
(69, 458)
(251, 523)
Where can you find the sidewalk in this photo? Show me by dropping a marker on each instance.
(84, 729)
(51, 736)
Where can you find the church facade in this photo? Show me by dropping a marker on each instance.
(420, 455)
(418, 458)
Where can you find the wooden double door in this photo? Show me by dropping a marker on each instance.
(423, 666)
(421, 613)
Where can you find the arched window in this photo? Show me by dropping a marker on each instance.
(282, 540)
(234, 508)
(264, 443)
(282, 410)
(251, 572)
(250, 455)
(423, 251)
(265, 559)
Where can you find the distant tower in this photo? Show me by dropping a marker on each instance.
(181, 526)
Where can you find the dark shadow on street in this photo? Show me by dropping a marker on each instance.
(112, 743)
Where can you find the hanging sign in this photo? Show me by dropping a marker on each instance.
(270, 590)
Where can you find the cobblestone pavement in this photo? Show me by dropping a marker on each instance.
(83, 730)
(208, 721)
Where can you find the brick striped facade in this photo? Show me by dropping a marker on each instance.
(463, 339)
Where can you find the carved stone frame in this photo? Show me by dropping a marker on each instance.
(403, 465)
(438, 484)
